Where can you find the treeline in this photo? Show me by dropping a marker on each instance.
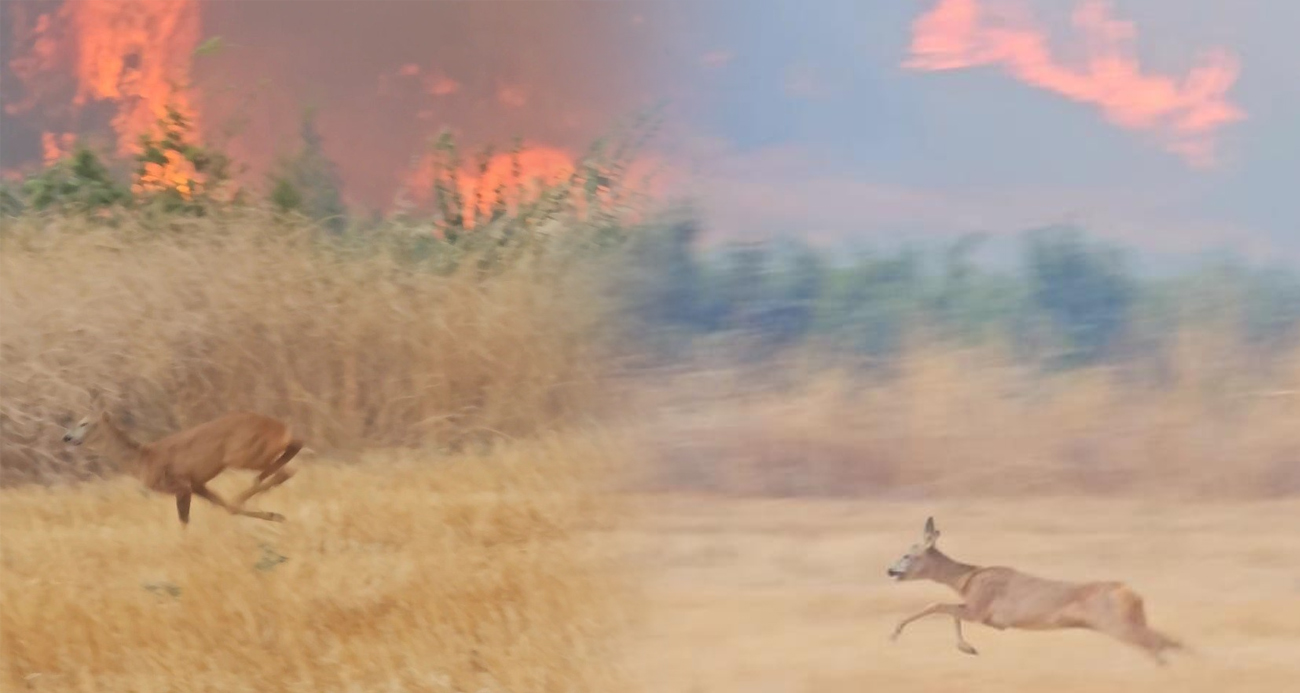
(1068, 299)
(174, 174)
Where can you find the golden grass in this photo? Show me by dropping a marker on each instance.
(449, 569)
(178, 322)
(791, 595)
(974, 422)
(402, 572)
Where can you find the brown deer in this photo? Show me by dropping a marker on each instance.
(182, 463)
(1002, 598)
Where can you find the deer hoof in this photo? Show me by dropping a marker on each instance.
(965, 647)
(275, 517)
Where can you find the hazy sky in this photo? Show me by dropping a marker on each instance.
(828, 132)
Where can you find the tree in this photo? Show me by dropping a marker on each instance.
(1084, 288)
(666, 286)
(309, 182)
(79, 182)
(176, 172)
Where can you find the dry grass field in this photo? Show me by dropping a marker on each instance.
(393, 573)
(356, 348)
(493, 553)
(791, 595)
(498, 573)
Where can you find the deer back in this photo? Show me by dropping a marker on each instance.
(240, 440)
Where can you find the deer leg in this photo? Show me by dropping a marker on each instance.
(183, 508)
(203, 492)
(275, 471)
(263, 485)
(1132, 630)
(1143, 638)
(961, 641)
(956, 611)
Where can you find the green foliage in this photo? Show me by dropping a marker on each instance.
(212, 46)
(285, 196)
(1085, 288)
(11, 201)
(308, 182)
(174, 173)
(1071, 302)
(79, 183)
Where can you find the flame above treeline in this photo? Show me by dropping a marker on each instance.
(513, 177)
(83, 63)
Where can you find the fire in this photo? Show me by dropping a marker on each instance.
(177, 174)
(136, 55)
(536, 164)
(120, 65)
(56, 146)
(1184, 114)
(549, 165)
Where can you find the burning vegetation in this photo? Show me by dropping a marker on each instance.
(128, 78)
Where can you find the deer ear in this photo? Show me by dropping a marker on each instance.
(931, 534)
(96, 397)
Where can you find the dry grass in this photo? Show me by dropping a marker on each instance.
(181, 321)
(971, 422)
(450, 569)
(399, 573)
(791, 595)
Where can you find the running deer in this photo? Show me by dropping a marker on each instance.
(182, 463)
(1002, 598)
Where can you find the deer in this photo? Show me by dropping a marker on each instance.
(1001, 598)
(182, 464)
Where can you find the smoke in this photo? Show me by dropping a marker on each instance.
(1183, 114)
(135, 56)
(382, 77)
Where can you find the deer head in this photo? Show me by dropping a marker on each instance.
(915, 563)
(84, 428)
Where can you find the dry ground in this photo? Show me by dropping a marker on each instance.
(762, 596)
(492, 574)
(393, 574)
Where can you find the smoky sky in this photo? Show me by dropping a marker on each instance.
(808, 121)
(828, 135)
(384, 76)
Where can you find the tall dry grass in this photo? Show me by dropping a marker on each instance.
(398, 572)
(177, 321)
(976, 422)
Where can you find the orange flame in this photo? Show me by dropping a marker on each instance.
(56, 146)
(135, 54)
(1184, 114)
(479, 192)
(138, 54)
(537, 164)
(177, 174)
